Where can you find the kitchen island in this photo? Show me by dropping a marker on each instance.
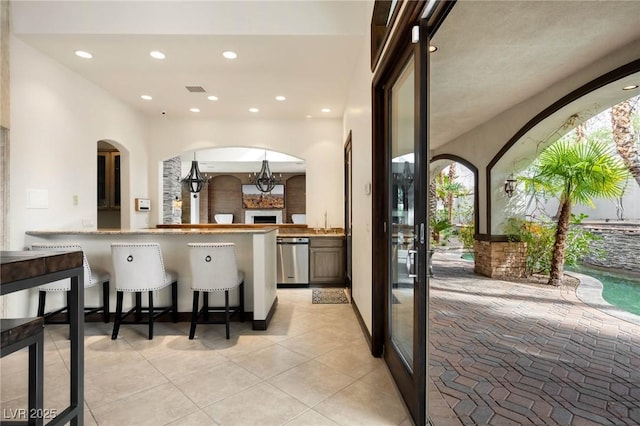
(255, 252)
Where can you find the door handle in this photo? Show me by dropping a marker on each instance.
(411, 263)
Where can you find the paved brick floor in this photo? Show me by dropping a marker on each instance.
(505, 353)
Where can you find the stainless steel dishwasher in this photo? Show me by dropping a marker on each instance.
(293, 261)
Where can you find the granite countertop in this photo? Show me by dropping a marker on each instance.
(292, 232)
(152, 231)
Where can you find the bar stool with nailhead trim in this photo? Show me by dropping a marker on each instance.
(139, 267)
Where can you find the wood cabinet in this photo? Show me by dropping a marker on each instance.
(108, 180)
(326, 260)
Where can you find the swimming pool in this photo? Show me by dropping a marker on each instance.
(619, 290)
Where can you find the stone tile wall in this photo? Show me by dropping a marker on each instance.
(620, 246)
(172, 191)
(497, 259)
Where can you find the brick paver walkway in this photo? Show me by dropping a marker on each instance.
(505, 353)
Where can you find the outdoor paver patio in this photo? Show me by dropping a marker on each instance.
(506, 353)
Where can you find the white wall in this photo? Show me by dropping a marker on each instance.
(317, 141)
(357, 119)
(57, 118)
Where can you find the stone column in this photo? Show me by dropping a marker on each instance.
(500, 259)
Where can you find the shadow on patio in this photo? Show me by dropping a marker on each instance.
(513, 353)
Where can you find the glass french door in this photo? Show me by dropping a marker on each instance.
(407, 236)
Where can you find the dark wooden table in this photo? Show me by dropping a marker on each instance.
(21, 270)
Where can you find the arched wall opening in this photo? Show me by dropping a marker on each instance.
(111, 187)
(544, 129)
(469, 182)
(230, 193)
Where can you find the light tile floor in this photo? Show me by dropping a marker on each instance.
(312, 367)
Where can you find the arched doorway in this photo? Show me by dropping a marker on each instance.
(108, 186)
(453, 204)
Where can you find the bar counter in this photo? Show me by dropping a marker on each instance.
(255, 251)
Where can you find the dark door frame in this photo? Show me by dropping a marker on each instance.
(348, 208)
(399, 50)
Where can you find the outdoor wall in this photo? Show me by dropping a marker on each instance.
(481, 144)
(628, 207)
(620, 246)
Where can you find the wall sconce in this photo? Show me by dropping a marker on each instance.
(510, 185)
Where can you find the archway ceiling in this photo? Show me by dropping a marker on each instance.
(491, 55)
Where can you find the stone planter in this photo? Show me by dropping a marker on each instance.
(500, 259)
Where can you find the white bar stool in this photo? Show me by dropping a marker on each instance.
(92, 277)
(139, 267)
(214, 268)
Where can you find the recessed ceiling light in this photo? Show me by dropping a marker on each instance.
(229, 54)
(83, 54)
(631, 87)
(146, 97)
(432, 48)
(307, 116)
(280, 98)
(194, 109)
(212, 98)
(157, 54)
(253, 110)
(325, 110)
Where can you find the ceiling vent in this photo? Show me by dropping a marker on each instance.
(196, 89)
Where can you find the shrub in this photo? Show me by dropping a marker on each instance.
(540, 237)
(466, 237)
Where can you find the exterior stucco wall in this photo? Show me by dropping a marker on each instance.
(481, 144)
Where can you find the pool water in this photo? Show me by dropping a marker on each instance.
(621, 291)
(467, 255)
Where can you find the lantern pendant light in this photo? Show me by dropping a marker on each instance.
(195, 180)
(265, 181)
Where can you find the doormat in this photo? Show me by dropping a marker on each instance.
(328, 296)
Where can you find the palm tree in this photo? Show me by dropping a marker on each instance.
(624, 138)
(447, 189)
(579, 173)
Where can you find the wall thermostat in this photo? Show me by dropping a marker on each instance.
(143, 204)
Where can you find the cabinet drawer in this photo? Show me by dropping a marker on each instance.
(327, 241)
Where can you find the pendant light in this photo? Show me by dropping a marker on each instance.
(265, 181)
(195, 180)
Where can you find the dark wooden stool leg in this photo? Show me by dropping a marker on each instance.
(138, 306)
(105, 301)
(174, 300)
(150, 315)
(241, 295)
(118, 318)
(226, 311)
(194, 315)
(42, 298)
